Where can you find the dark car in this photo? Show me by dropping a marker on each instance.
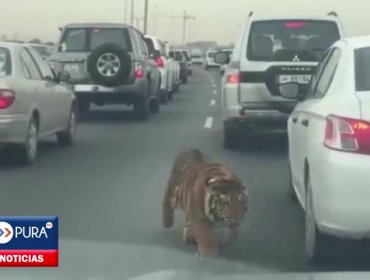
(181, 59)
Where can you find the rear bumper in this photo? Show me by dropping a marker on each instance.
(13, 128)
(123, 93)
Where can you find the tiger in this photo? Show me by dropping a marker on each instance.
(211, 196)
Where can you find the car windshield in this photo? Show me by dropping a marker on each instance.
(362, 69)
(5, 62)
(178, 56)
(86, 39)
(196, 56)
(186, 54)
(274, 40)
(211, 54)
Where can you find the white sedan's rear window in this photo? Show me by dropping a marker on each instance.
(5, 63)
(362, 69)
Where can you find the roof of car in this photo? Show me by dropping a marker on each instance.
(358, 41)
(10, 45)
(293, 17)
(97, 25)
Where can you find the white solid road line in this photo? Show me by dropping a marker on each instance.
(213, 102)
(209, 122)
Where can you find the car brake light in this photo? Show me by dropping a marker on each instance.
(139, 73)
(7, 98)
(348, 135)
(233, 78)
(159, 61)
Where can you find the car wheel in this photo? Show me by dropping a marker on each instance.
(67, 136)
(109, 65)
(291, 192)
(142, 107)
(232, 137)
(27, 152)
(315, 241)
(154, 105)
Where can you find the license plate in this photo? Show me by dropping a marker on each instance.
(301, 79)
(90, 88)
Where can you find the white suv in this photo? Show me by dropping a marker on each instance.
(271, 51)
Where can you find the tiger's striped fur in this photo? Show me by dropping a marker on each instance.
(210, 194)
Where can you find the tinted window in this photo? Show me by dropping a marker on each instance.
(196, 56)
(211, 55)
(143, 45)
(73, 40)
(5, 62)
(362, 69)
(185, 54)
(278, 40)
(118, 36)
(78, 40)
(178, 56)
(150, 45)
(43, 66)
(30, 65)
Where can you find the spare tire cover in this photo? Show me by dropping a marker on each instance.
(272, 76)
(109, 65)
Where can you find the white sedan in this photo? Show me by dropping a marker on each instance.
(34, 102)
(329, 147)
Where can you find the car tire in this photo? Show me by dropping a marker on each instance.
(291, 192)
(232, 137)
(142, 107)
(115, 65)
(67, 136)
(315, 241)
(154, 105)
(26, 153)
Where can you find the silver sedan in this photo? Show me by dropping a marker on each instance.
(34, 102)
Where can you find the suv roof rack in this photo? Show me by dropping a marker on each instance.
(332, 13)
(250, 14)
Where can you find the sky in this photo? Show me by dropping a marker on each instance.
(216, 20)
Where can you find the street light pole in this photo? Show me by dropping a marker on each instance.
(186, 17)
(132, 12)
(146, 16)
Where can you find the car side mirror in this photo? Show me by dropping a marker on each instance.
(292, 91)
(222, 58)
(64, 77)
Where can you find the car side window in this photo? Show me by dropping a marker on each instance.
(33, 71)
(327, 74)
(42, 65)
(143, 45)
(136, 41)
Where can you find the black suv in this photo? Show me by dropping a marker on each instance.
(109, 63)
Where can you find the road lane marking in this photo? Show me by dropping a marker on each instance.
(214, 91)
(213, 102)
(209, 122)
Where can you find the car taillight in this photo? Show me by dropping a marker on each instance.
(233, 78)
(346, 134)
(139, 73)
(159, 61)
(7, 98)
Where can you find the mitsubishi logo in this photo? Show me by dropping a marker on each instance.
(296, 58)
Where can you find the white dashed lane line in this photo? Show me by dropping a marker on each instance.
(213, 102)
(209, 122)
(214, 91)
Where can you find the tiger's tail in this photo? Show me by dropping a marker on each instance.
(167, 212)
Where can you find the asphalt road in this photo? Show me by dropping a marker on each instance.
(109, 186)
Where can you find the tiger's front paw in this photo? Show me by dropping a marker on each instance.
(187, 236)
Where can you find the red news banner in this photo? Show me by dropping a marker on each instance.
(29, 241)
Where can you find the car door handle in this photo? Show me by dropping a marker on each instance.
(305, 122)
(295, 120)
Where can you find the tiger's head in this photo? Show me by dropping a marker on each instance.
(226, 201)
